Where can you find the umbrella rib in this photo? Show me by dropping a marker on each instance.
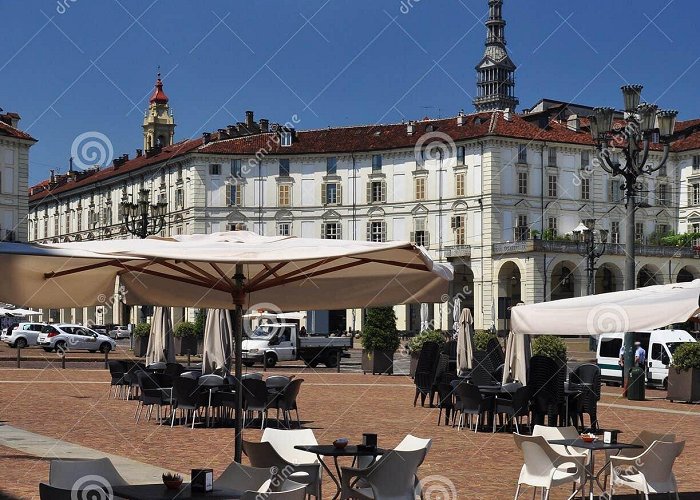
(228, 280)
(182, 279)
(418, 267)
(255, 286)
(263, 275)
(200, 270)
(58, 274)
(290, 279)
(209, 279)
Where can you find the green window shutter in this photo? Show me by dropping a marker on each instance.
(369, 231)
(339, 194)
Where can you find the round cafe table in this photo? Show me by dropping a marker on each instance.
(328, 450)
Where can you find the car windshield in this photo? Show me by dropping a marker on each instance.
(264, 332)
(47, 329)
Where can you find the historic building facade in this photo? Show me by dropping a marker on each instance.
(495, 193)
(14, 177)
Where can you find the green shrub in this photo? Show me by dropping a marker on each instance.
(185, 329)
(416, 343)
(379, 330)
(686, 356)
(550, 347)
(142, 330)
(481, 339)
(200, 318)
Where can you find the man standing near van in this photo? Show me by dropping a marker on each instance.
(640, 355)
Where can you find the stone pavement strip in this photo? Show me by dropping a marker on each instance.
(46, 447)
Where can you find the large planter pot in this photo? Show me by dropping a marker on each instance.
(140, 346)
(684, 385)
(381, 362)
(414, 363)
(185, 345)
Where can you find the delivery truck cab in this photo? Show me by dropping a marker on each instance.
(659, 346)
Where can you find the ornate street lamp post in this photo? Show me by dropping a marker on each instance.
(590, 243)
(634, 136)
(142, 218)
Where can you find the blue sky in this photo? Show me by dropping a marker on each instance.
(77, 66)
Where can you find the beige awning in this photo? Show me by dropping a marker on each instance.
(198, 271)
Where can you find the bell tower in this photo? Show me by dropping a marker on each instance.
(496, 72)
(158, 121)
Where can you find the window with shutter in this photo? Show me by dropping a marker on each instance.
(459, 185)
(284, 195)
(376, 231)
(420, 188)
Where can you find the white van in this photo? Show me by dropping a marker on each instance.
(658, 344)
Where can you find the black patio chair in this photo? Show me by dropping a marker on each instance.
(446, 401)
(131, 376)
(546, 382)
(470, 401)
(118, 383)
(495, 352)
(254, 399)
(588, 376)
(48, 492)
(441, 373)
(514, 408)
(425, 371)
(483, 370)
(286, 401)
(188, 398)
(154, 391)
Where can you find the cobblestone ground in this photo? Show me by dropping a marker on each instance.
(72, 405)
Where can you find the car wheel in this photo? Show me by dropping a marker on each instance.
(60, 346)
(249, 363)
(105, 347)
(312, 363)
(331, 361)
(92, 350)
(270, 360)
(21, 343)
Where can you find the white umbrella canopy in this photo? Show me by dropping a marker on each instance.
(291, 273)
(456, 311)
(22, 312)
(464, 341)
(161, 345)
(218, 342)
(642, 309)
(221, 270)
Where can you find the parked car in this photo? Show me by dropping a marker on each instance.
(63, 337)
(659, 346)
(120, 332)
(101, 329)
(23, 335)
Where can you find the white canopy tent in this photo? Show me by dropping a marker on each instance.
(221, 271)
(642, 309)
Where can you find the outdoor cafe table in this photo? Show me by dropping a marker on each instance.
(329, 450)
(597, 445)
(160, 492)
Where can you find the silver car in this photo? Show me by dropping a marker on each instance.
(120, 332)
(23, 335)
(74, 338)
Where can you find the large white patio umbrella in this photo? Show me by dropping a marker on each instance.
(218, 342)
(642, 309)
(161, 345)
(517, 359)
(424, 321)
(456, 312)
(223, 270)
(464, 341)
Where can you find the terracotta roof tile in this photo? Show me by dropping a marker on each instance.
(8, 130)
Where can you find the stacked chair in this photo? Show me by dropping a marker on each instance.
(425, 371)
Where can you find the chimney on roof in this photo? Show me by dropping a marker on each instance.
(249, 121)
(507, 114)
(461, 118)
(242, 129)
(573, 123)
(231, 130)
(206, 137)
(264, 125)
(410, 127)
(223, 133)
(139, 152)
(52, 178)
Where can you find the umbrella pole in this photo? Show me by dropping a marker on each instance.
(238, 298)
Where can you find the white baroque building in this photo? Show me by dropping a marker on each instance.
(14, 177)
(495, 193)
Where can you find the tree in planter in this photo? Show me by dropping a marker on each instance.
(380, 340)
(141, 333)
(684, 373)
(482, 338)
(200, 318)
(551, 347)
(416, 343)
(185, 334)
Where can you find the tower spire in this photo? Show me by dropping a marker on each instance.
(496, 71)
(158, 121)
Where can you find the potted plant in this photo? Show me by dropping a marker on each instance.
(551, 347)
(684, 373)
(141, 333)
(185, 338)
(416, 344)
(481, 339)
(380, 340)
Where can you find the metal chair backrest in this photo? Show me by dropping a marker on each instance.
(468, 397)
(254, 393)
